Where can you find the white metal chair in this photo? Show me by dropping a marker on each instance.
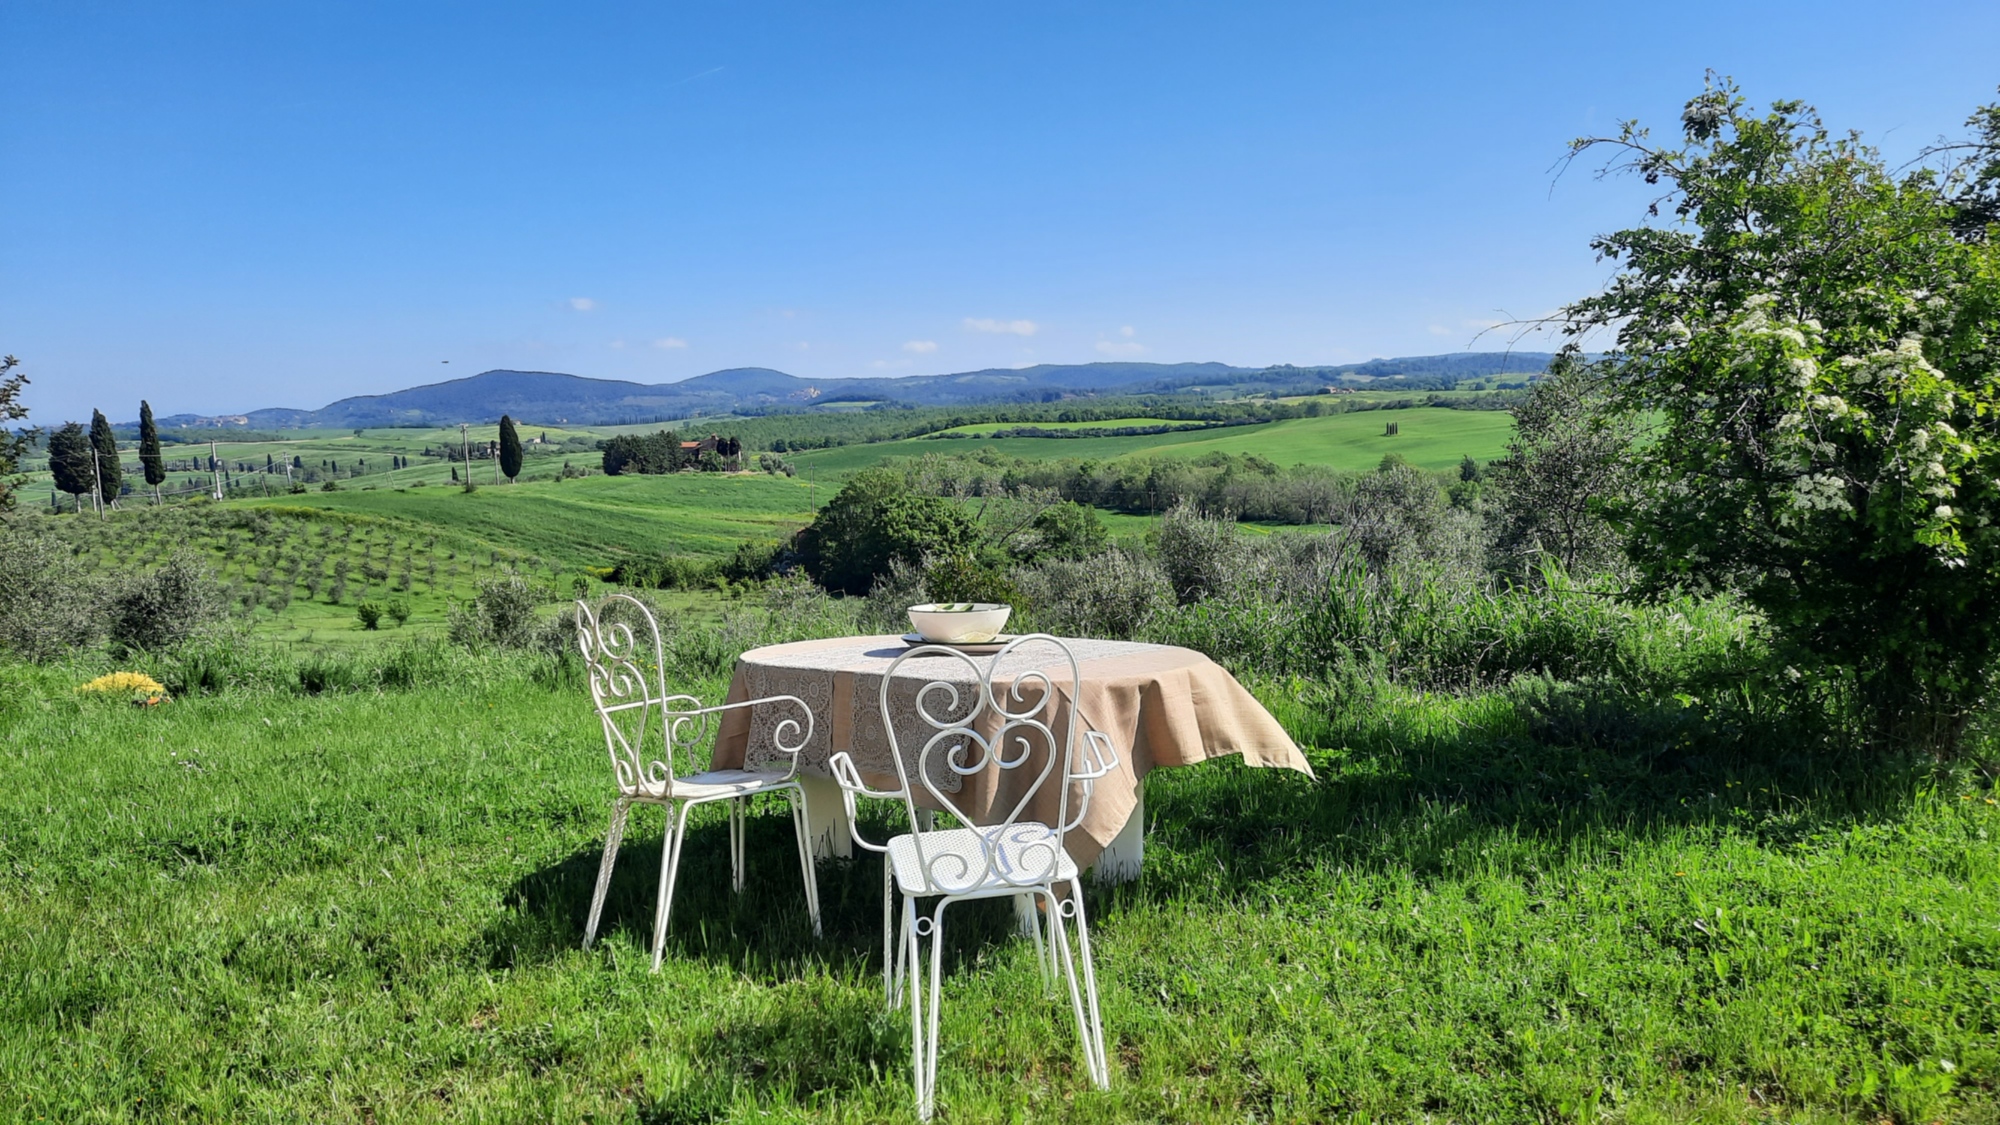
(628, 684)
(1015, 857)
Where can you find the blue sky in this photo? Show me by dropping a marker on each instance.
(231, 206)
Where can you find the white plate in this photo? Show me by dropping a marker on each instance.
(981, 648)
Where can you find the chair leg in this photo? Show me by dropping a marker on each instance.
(1067, 963)
(890, 966)
(670, 861)
(1094, 1042)
(612, 837)
(927, 1102)
(802, 834)
(903, 968)
(1024, 909)
(911, 955)
(736, 845)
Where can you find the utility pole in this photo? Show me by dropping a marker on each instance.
(215, 469)
(493, 451)
(465, 448)
(97, 474)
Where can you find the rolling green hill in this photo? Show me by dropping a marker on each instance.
(595, 521)
(1430, 438)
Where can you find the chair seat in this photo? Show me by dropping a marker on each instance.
(955, 861)
(716, 783)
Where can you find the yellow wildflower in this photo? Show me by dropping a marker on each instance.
(136, 683)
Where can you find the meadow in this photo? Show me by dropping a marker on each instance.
(1428, 437)
(981, 429)
(367, 907)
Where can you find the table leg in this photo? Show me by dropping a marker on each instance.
(1027, 920)
(1126, 854)
(828, 813)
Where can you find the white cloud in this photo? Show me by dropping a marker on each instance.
(1438, 330)
(921, 347)
(582, 304)
(1014, 327)
(618, 344)
(667, 343)
(1127, 346)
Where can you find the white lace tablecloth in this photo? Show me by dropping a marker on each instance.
(1161, 706)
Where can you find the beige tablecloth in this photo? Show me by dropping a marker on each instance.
(1161, 706)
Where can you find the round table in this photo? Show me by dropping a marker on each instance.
(1160, 705)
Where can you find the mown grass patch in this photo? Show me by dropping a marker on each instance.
(366, 906)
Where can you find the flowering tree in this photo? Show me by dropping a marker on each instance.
(1816, 343)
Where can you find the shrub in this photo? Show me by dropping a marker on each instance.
(966, 578)
(1818, 342)
(370, 614)
(1066, 530)
(502, 615)
(874, 521)
(1197, 552)
(1398, 516)
(1114, 594)
(399, 609)
(167, 606)
(49, 603)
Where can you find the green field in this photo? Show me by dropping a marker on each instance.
(368, 907)
(981, 428)
(593, 521)
(1430, 438)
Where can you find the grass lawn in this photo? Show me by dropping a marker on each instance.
(1430, 438)
(366, 908)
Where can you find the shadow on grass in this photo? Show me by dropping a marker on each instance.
(764, 931)
(1521, 779)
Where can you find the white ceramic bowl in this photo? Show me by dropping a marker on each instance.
(960, 623)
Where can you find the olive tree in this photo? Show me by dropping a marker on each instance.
(1815, 344)
(1564, 466)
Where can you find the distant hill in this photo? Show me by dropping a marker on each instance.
(554, 398)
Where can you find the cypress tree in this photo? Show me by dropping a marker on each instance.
(69, 461)
(149, 450)
(510, 449)
(109, 474)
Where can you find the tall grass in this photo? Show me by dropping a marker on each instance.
(1419, 628)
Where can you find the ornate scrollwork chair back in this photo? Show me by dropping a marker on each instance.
(1012, 717)
(1022, 707)
(646, 728)
(628, 685)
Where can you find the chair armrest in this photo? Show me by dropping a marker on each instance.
(848, 777)
(690, 725)
(1098, 756)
